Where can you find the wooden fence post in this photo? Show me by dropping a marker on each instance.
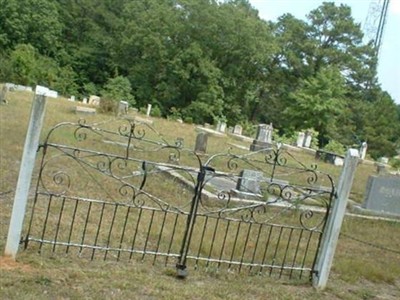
(25, 172)
(335, 220)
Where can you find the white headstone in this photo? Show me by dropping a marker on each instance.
(52, 94)
(237, 130)
(363, 150)
(307, 139)
(94, 100)
(148, 110)
(222, 127)
(41, 90)
(84, 100)
(300, 139)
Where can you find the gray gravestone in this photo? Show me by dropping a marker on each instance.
(383, 194)
(201, 143)
(249, 181)
(263, 138)
(123, 107)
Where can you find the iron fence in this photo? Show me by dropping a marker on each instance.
(129, 194)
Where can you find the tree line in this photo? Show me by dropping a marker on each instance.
(207, 60)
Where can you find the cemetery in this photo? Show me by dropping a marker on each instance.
(248, 185)
(232, 149)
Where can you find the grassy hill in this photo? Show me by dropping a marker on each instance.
(365, 266)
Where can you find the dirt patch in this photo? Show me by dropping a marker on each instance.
(7, 263)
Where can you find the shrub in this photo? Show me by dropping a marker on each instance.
(174, 113)
(156, 111)
(108, 106)
(335, 147)
(188, 120)
(119, 88)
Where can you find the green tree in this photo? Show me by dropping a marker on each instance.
(119, 88)
(317, 104)
(34, 22)
(382, 127)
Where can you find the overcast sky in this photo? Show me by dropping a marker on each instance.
(389, 59)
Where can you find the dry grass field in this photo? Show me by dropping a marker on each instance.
(366, 264)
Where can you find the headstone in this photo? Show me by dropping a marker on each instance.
(179, 120)
(10, 86)
(263, 138)
(237, 130)
(201, 143)
(94, 100)
(72, 98)
(230, 129)
(307, 139)
(207, 125)
(85, 110)
(249, 181)
(363, 150)
(148, 110)
(84, 101)
(300, 139)
(221, 126)
(52, 94)
(123, 107)
(21, 88)
(380, 168)
(384, 160)
(383, 194)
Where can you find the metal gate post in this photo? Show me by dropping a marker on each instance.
(181, 265)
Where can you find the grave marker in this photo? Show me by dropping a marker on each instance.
(300, 139)
(237, 130)
(383, 194)
(148, 110)
(363, 150)
(263, 138)
(307, 139)
(249, 181)
(201, 143)
(123, 107)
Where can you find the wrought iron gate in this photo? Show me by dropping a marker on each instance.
(129, 194)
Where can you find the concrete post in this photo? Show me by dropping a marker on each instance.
(335, 220)
(25, 172)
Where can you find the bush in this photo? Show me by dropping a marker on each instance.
(119, 88)
(174, 114)
(248, 128)
(188, 120)
(395, 163)
(156, 111)
(108, 106)
(335, 147)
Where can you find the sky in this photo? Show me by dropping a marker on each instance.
(389, 57)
